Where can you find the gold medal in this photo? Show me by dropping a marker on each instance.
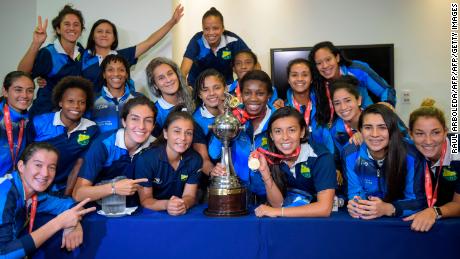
(253, 163)
(233, 102)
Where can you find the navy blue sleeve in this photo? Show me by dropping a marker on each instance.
(30, 132)
(94, 160)
(324, 174)
(145, 167)
(198, 135)
(195, 169)
(192, 48)
(42, 64)
(53, 205)
(129, 54)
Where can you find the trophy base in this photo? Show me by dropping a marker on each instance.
(227, 203)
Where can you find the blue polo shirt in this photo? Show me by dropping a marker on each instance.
(91, 65)
(153, 164)
(107, 109)
(318, 133)
(6, 162)
(203, 119)
(273, 98)
(247, 141)
(367, 177)
(13, 213)
(71, 145)
(369, 81)
(108, 157)
(52, 63)
(203, 57)
(312, 172)
(163, 109)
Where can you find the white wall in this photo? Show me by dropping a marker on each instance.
(418, 28)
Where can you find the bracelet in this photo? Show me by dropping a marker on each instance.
(113, 188)
(282, 211)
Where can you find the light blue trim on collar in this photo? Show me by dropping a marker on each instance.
(60, 49)
(164, 104)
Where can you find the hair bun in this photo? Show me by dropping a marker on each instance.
(428, 102)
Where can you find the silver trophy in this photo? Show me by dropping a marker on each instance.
(227, 196)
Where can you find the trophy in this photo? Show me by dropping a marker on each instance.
(227, 196)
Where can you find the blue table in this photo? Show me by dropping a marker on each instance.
(150, 234)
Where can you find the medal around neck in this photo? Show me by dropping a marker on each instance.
(227, 196)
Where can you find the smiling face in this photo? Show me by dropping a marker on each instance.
(327, 64)
(39, 171)
(212, 92)
(375, 134)
(115, 75)
(286, 134)
(299, 77)
(429, 135)
(179, 135)
(20, 93)
(166, 79)
(69, 29)
(255, 97)
(138, 125)
(346, 105)
(212, 30)
(73, 105)
(242, 64)
(104, 35)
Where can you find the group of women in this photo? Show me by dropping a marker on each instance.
(88, 125)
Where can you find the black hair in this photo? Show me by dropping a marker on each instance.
(278, 176)
(70, 82)
(395, 159)
(115, 58)
(213, 12)
(12, 76)
(333, 49)
(67, 9)
(178, 112)
(323, 110)
(32, 148)
(245, 51)
(199, 83)
(91, 44)
(348, 83)
(258, 75)
(138, 100)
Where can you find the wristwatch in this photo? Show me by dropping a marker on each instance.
(438, 212)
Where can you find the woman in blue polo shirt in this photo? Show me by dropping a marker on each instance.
(384, 173)
(214, 47)
(168, 85)
(331, 64)
(114, 153)
(171, 167)
(428, 129)
(115, 93)
(309, 99)
(66, 129)
(57, 60)
(18, 93)
(23, 191)
(103, 40)
(301, 179)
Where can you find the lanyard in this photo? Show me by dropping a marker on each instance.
(242, 115)
(348, 129)
(9, 133)
(267, 153)
(431, 196)
(33, 209)
(331, 107)
(307, 112)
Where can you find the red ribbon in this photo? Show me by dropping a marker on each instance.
(331, 106)
(9, 133)
(348, 129)
(242, 115)
(33, 209)
(267, 153)
(431, 196)
(307, 112)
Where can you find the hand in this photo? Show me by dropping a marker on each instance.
(72, 237)
(264, 210)
(40, 35)
(278, 104)
(423, 220)
(71, 217)
(127, 187)
(356, 139)
(353, 208)
(176, 206)
(219, 170)
(178, 13)
(375, 208)
(263, 169)
(41, 82)
(339, 177)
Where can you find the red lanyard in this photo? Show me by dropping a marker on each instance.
(307, 112)
(431, 196)
(33, 209)
(331, 107)
(242, 115)
(267, 153)
(348, 129)
(9, 133)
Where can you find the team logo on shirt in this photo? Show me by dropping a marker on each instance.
(83, 139)
(264, 142)
(449, 175)
(183, 177)
(226, 54)
(156, 180)
(305, 171)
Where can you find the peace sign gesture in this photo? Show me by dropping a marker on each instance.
(71, 217)
(40, 35)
